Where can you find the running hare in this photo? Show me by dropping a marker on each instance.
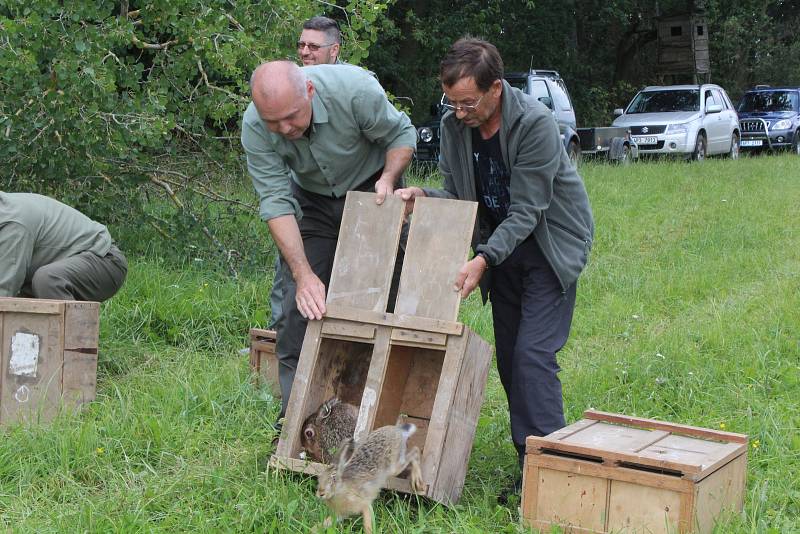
(326, 429)
(361, 469)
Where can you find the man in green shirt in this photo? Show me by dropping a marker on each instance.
(319, 44)
(311, 135)
(53, 251)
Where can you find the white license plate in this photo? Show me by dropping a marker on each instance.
(649, 140)
(752, 142)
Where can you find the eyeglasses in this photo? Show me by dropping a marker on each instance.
(467, 108)
(312, 46)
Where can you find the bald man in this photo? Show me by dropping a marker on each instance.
(312, 134)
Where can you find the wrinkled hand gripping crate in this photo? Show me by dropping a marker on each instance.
(416, 364)
(48, 356)
(612, 473)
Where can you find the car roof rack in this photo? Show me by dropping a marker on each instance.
(545, 72)
(763, 86)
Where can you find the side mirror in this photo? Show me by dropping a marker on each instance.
(618, 112)
(547, 101)
(713, 108)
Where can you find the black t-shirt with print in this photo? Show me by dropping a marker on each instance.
(492, 179)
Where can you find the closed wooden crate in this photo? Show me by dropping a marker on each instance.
(48, 357)
(612, 473)
(415, 364)
(263, 360)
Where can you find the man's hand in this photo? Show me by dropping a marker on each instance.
(408, 195)
(310, 296)
(469, 275)
(384, 186)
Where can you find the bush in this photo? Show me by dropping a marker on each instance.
(105, 104)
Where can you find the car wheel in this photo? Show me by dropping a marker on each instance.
(796, 144)
(574, 152)
(733, 153)
(699, 153)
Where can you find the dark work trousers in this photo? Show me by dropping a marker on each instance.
(85, 276)
(532, 315)
(319, 229)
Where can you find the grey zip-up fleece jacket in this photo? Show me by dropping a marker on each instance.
(548, 197)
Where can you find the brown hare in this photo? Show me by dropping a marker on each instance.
(361, 469)
(326, 429)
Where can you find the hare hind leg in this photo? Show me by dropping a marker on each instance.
(412, 459)
(366, 514)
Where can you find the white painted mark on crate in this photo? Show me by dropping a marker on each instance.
(24, 354)
(23, 394)
(367, 402)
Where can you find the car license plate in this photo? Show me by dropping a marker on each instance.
(752, 142)
(649, 140)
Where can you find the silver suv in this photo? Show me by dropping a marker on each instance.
(689, 120)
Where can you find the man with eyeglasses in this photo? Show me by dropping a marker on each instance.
(319, 42)
(502, 148)
(312, 134)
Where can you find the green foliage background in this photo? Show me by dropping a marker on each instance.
(605, 50)
(129, 110)
(114, 106)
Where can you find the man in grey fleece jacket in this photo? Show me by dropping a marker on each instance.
(502, 148)
(52, 251)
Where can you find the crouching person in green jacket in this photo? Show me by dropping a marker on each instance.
(502, 148)
(49, 250)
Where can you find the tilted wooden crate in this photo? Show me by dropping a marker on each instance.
(48, 355)
(612, 473)
(263, 360)
(415, 364)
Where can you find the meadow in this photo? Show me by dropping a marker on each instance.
(689, 311)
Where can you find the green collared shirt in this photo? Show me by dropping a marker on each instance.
(353, 124)
(35, 231)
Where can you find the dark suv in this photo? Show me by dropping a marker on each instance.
(546, 85)
(769, 118)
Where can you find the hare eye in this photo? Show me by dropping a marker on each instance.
(309, 433)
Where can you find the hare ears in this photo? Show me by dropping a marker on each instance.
(327, 406)
(344, 453)
(408, 429)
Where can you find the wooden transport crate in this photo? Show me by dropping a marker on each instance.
(48, 357)
(612, 473)
(263, 361)
(416, 364)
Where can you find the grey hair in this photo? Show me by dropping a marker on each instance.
(326, 25)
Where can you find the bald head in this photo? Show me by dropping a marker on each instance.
(282, 95)
(277, 77)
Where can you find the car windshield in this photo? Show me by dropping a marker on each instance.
(665, 101)
(769, 101)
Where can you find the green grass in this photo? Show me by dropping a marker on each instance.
(688, 312)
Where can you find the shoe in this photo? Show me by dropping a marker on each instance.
(507, 493)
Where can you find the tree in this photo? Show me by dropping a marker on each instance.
(100, 98)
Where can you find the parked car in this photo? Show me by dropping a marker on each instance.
(688, 120)
(428, 136)
(545, 85)
(769, 118)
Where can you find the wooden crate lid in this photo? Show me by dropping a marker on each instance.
(438, 244)
(365, 252)
(439, 239)
(611, 439)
